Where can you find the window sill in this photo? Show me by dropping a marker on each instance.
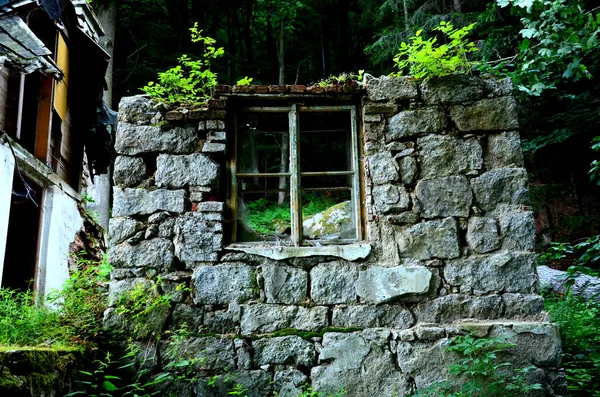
(349, 252)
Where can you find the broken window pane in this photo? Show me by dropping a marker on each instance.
(263, 209)
(325, 142)
(263, 143)
(327, 208)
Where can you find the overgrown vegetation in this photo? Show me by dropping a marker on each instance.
(479, 372)
(424, 59)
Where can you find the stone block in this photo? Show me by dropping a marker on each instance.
(256, 383)
(429, 332)
(284, 284)
(137, 109)
(217, 136)
(450, 308)
(284, 350)
(118, 289)
(501, 186)
(223, 284)
(381, 316)
(211, 353)
(502, 272)
(504, 150)
(187, 316)
(423, 362)
(390, 199)
(333, 283)
(131, 140)
(517, 227)
(482, 235)
(520, 306)
(452, 90)
(383, 284)
(176, 171)
(127, 202)
(413, 122)
(289, 382)
(497, 114)
(197, 238)
(210, 206)
(408, 167)
(443, 197)
(493, 87)
(129, 171)
(404, 218)
(380, 108)
(384, 169)
(444, 155)
(213, 147)
(432, 239)
(392, 89)
(120, 229)
(266, 318)
(156, 254)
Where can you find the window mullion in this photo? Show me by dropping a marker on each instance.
(295, 202)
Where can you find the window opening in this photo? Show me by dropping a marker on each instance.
(295, 177)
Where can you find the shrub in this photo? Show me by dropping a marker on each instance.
(424, 59)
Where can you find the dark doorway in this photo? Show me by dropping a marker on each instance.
(20, 260)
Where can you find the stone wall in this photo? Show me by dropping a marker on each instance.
(448, 246)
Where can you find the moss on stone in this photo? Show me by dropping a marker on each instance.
(9, 382)
(307, 335)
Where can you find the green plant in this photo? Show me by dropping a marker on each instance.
(86, 198)
(190, 82)
(98, 382)
(342, 78)
(479, 372)
(425, 59)
(245, 81)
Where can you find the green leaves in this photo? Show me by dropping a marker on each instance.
(190, 82)
(426, 59)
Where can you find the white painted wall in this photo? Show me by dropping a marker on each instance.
(61, 221)
(7, 166)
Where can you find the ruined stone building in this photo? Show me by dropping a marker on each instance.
(51, 84)
(336, 237)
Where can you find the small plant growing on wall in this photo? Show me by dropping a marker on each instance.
(425, 59)
(190, 82)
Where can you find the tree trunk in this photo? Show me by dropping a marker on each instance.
(406, 17)
(281, 54)
(457, 6)
(323, 52)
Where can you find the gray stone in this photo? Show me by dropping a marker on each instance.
(210, 353)
(333, 283)
(452, 90)
(176, 171)
(381, 316)
(587, 287)
(255, 383)
(217, 136)
(187, 317)
(197, 239)
(432, 239)
(131, 140)
(400, 148)
(391, 89)
(494, 87)
(223, 321)
(118, 289)
(210, 206)
(243, 352)
(412, 122)
(495, 114)
(390, 199)
(501, 186)
(167, 228)
(517, 227)
(384, 168)
(482, 235)
(444, 155)
(408, 168)
(223, 284)
(428, 332)
(443, 197)
(523, 306)
(379, 284)
(122, 228)
(334, 222)
(289, 382)
(156, 253)
(129, 171)
(213, 147)
(128, 202)
(535, 343)
(285, 350)
(347, 350)
(265, 318)
(158, 217)
(504, 150)
(450, 308)
(423, 362)
(502, 272)
(284, 284)
(137, 109)
(403, 218)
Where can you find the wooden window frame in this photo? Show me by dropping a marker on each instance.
(295, 172)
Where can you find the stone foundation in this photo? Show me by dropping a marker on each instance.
(448, 245)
